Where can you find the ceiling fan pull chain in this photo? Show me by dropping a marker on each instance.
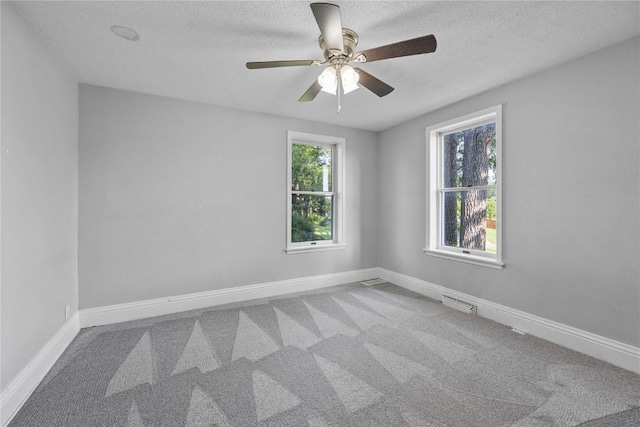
(339, 89)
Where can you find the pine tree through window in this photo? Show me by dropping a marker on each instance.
(464, 187)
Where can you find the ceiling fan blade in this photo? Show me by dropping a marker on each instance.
(374, 84)
(417, 46)
(311, 93)
(276, 64)
(330, 23)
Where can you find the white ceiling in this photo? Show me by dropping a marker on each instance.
(197, 50)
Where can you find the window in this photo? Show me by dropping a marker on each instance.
(315, 192)
(464, 188)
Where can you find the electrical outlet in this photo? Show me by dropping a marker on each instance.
(66, 312)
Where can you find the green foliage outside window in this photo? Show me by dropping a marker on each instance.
(311, 172)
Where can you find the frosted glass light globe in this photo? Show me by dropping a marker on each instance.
(328, 80)
(349, 79)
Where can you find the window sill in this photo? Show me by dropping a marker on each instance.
(310, 248)
(469, 259)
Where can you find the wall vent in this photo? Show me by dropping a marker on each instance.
(373, 282)
(462, 306)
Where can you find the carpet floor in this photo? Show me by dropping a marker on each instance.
(350, 355)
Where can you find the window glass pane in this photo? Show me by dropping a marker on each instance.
(311, 218)
(469, 219)
(311, 167)
(469, 157)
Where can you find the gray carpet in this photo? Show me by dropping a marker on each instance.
(344, 356)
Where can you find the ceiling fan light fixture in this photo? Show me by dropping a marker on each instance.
(349, 79)
(328, 79)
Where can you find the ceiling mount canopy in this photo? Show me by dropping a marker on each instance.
(338, 47)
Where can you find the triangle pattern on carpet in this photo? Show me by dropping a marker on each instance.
(328, 325)
(294, 307)
(354, 393)
(197, 353)
(293, 333)
(271, 397)
(134, 419)
(204, 412)
(263, 315)
(391, 312)
(481, 340)
(220, 328)
(168, 339)
(399, 366)
(449, 351)
(251, 341)
(136, 369)
(363, 318)
(429, 308)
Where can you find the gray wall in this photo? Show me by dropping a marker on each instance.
(571, 196)
(179, 197)
(39, 194)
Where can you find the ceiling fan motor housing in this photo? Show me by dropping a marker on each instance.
(350, 41)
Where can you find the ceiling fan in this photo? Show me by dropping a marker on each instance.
(338, 46)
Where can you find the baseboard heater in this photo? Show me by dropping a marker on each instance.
(462, 306)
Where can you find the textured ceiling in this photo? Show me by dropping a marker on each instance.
(197, 50)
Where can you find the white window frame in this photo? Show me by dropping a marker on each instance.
(434, 137)
(338, 177)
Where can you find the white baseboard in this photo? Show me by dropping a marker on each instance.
(175, 304)
(599, 347)
(18, 390)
